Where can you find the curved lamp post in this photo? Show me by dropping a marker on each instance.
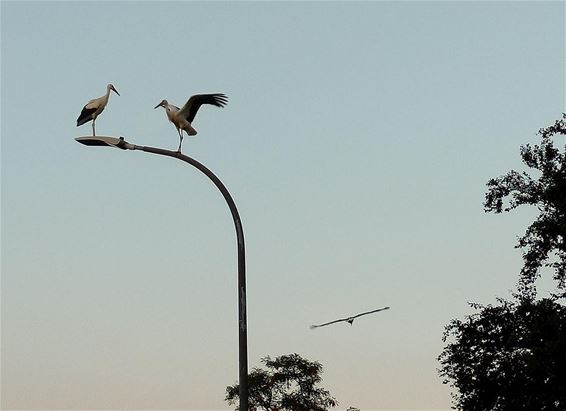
(242, 322)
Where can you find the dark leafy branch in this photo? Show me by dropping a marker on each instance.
(543, 243)
(289, 383)
(509, 357)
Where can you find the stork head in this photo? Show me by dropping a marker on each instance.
(350, 321)
(111, 87)
(163, 104)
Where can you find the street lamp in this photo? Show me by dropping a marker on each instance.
(242, 322)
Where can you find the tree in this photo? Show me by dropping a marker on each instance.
(289, 383)
(510, 357)
(544, 242)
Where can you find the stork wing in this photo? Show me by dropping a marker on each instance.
(349, 318)
(371, 312)
(312, 327)
(86, 115)
(189, 110)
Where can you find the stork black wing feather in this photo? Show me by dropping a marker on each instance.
(85, 116)
(349, 319)
(371, 312)
(189, 111)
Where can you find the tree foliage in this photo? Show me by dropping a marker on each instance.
(512, 356)
(544, 242)
(289, 383)
(509, 357)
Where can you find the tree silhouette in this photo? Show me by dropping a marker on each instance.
(509, 357)
(289, 383)
(544, 242)
(512, 356)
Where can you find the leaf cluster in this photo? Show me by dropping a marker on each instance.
(290, 382)
(509, 357)
(544, 242)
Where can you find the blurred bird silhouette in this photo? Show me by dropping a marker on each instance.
(349, 320)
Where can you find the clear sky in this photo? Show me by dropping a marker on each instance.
(357, 142)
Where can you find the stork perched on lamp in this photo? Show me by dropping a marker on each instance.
(94, 107)
(183, 117)
(349, 320)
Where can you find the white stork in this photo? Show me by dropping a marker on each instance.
(94, 107)
(349, 320)
(182, 118)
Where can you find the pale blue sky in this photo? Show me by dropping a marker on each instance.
(357, 142)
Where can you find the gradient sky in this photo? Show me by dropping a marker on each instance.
(357, 142)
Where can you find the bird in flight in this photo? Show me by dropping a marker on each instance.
(349, 320)
(183, 117)
(94, 107)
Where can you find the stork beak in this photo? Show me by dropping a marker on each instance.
(159, 105)
(115, 91)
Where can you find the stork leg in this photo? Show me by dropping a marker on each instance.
(93, 132)
(180, 140)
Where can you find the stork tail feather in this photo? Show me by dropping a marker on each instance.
(190, 130)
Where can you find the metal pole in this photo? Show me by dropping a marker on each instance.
(242, 322)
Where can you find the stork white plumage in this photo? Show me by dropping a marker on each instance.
(183, 117)
(94, 107)
(349, 320)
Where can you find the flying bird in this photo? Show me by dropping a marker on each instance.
(349, 320)
(182, 118)
(94, 107)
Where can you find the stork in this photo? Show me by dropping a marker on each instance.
(349, 320)
(182, 118)
(94, 107)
